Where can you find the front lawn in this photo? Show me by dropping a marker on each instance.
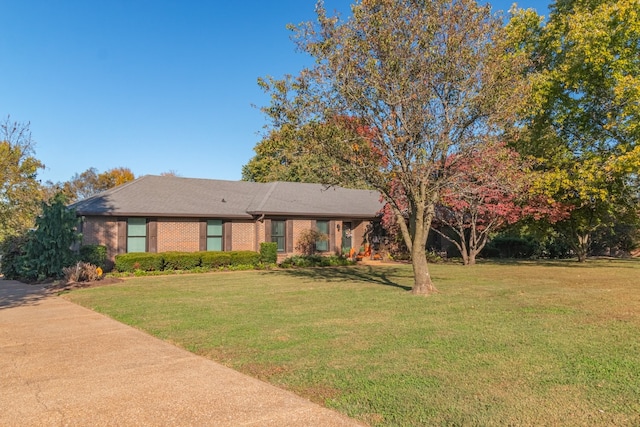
(548, 343)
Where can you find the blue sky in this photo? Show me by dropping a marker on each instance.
(152, 85)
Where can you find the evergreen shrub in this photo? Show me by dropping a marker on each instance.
(215, 259)
(268, 252)
(181, 260)
(144, 261)
(245, 258)
(94, 254)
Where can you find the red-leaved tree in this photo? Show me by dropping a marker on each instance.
(490, 187)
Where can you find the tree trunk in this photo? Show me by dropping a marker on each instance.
(582, 247)
(471, 259)
(422, 279)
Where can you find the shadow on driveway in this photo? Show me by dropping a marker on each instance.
(16, 294)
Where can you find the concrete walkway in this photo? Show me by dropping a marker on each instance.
(64, 365)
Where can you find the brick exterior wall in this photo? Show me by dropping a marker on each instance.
(176, 234)
(260, 234)
(183, 234)
(243, 236)
(299, 226)
(101, 231)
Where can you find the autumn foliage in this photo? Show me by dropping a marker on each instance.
(488, 188)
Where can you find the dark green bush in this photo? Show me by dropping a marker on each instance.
(139, 261)
(94, 254)
(13, 250)
(315, 261)
(244, 258)
(181, 260)
(268, 252)
(512, 247)
(556, 249)
(215, 259)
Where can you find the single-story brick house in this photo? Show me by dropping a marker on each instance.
(167, 213)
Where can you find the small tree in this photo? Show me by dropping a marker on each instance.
(307, 244)
(490, 189)
(50, 248)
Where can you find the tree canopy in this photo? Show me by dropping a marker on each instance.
(425, 79)
(20, 191)
(91, 182)
(584, 116)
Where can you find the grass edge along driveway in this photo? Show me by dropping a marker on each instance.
(527, 343)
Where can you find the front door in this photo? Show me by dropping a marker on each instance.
(346, 238)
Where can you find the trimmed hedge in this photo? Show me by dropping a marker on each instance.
(269, 252)
(215, 259)
(315, 261)
(145, 261)
(181, 260)
(244, 258)
(139, 261)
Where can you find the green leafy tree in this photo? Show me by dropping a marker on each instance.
(421, 79)
(20, 191)
(584, 115)
(49, 248)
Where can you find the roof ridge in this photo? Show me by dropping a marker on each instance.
(268, 194)
(108, 191)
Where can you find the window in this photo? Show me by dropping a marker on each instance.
(137, 235)
(322, 245)
(277, 234)
(214, 235)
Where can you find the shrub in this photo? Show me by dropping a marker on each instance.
(82, 272)
(181, 260)
(315, 261)
(49, 249)
(308, 239)
(268, 252)
(139, 261)
(94, 254)
(215, 259)
(244, 258)
(13, 250)
(513, 247)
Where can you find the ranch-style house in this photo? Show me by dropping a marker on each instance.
(167, 213)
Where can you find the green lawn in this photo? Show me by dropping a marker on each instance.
(529, 343)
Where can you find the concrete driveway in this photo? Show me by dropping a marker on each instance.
(64, 365)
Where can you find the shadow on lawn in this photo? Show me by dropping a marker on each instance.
(387, 276)
(595, 262)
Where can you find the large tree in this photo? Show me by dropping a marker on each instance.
(20, 191)
(584, 118)
(429, 78)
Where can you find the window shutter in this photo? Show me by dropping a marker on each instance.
(332, 236)
(122, 236)
(153, 235)
(227, 240)
(289, 236)
(267, 230)
(202, 244)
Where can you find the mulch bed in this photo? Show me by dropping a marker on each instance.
(63, 286)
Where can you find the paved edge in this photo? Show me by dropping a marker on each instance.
(63, 364)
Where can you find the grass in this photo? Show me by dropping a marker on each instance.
(526, 343)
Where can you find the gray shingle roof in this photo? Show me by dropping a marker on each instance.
(190, 197)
